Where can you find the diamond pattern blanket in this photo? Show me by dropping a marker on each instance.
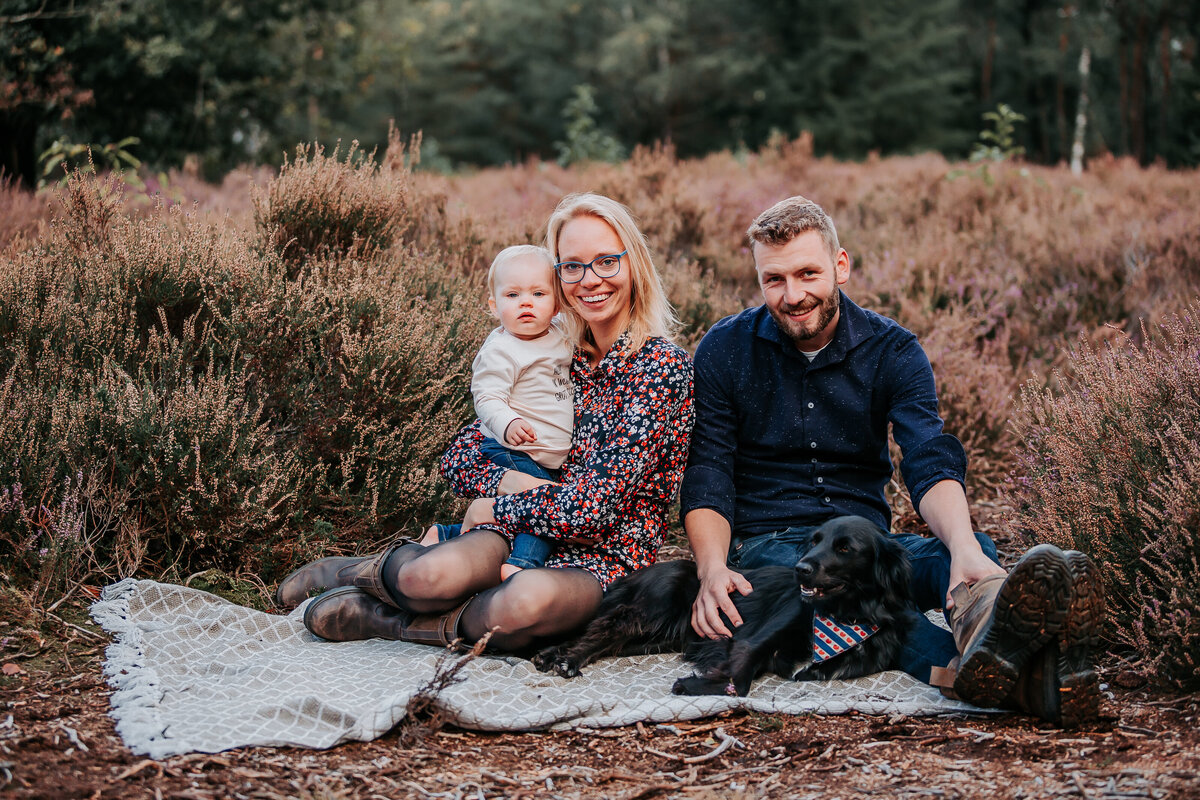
(195, 673)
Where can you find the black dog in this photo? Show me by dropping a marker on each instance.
(853, 573)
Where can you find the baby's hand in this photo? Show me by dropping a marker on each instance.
(519, 432)
(508, 570)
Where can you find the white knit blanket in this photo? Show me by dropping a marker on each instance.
(195, 673)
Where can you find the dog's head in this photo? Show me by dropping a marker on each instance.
(851, 564)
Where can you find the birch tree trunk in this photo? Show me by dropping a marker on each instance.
(1085, 61)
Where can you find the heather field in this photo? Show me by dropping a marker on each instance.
(232, 379)
(246, 375)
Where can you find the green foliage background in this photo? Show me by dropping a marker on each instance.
(227, 82)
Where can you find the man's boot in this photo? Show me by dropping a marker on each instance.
(1037, 691)
(348, 614)
(1079, 685)
(335, 571)
(1000, 622)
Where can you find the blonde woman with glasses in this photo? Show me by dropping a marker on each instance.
(606, 516)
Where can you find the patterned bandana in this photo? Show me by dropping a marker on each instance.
(830, 638)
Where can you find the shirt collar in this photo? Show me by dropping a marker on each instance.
(613, 359)
(853, 327)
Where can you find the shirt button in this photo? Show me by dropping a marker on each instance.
(820, 480)
(813, 444)
(814, 461)
(810, 405)
(826, 499)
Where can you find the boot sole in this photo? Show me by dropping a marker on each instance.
(1030, 610)
(1079, 684)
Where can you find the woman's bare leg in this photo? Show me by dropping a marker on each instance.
(532, 604)
(431, 536)
(440, 577)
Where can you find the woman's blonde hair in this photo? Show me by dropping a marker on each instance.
(650, 312)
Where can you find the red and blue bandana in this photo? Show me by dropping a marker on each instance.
(830, 638)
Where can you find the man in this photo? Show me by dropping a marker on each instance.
(793, 403)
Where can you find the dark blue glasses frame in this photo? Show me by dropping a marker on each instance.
(601, 267)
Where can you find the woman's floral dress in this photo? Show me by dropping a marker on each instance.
(633, 417)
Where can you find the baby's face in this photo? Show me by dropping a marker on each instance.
(524, 299)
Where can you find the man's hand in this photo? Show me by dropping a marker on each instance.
(716, 585)
(519, 432)
(968, 567)
(479, 513)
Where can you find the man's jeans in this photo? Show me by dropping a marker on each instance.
(928, 645)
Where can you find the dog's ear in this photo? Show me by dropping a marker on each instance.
(893, 572)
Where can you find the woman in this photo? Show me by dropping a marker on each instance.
(633, 417)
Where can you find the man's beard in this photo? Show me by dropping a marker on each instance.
(802, 333)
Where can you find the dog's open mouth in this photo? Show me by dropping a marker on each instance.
(818, 592)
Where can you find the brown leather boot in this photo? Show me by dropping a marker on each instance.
(1037, 691)
(335, 571)
(999, 622)
(439, 630)
(349, 614)
(319, 576)
(1079, 685)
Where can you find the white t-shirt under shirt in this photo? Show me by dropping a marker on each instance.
(530, 379)
(811, 354)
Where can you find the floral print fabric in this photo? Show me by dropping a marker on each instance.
(633, 418)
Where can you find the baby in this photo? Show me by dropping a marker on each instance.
(521, 385)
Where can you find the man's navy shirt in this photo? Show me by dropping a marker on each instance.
(781, 442)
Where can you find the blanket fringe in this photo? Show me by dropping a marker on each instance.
(136, 695)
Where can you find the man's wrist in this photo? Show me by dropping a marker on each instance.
(708, 565)
(960, 542)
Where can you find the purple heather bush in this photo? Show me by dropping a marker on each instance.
(1109, 463)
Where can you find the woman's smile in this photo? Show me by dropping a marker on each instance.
(603, 303)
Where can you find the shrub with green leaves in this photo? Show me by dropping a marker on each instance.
(1110, 464)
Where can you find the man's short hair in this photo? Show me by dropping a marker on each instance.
(787, 219)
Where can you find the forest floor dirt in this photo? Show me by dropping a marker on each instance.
(57, 741)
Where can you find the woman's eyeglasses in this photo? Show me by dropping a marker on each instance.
(601, 267)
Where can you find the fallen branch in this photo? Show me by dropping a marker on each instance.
(727, 742)
(651, 790)
(423, 717)
(661, 754)
(84, 631)
(487, 773)
(1077, 779)
(136, 768)
(699, 728)
(73, 735)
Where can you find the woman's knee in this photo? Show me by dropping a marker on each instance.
(453, 569)
(523, 604)
(428, 579)
(531, 601)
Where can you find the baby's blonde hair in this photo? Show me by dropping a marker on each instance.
(509, 254)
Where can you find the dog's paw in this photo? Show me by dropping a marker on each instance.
(545, 660)
(695, 686)
(567, 667)
(806, 674)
